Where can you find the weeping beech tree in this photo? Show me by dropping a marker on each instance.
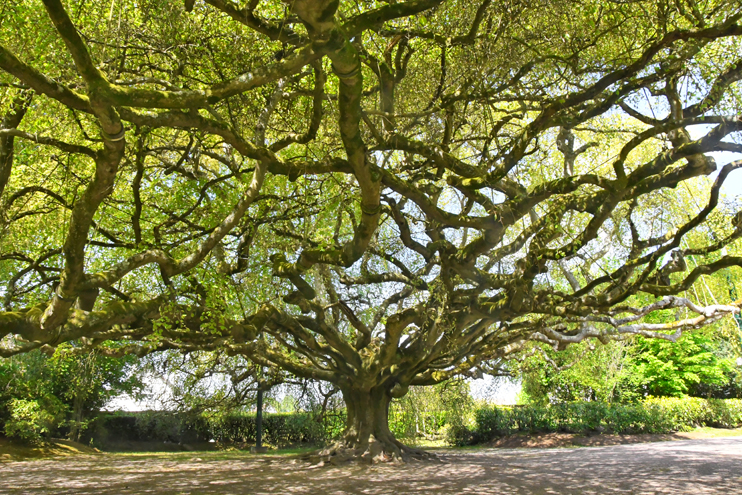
(371, 194)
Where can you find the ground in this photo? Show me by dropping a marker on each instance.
(710, 465)
(14, 450)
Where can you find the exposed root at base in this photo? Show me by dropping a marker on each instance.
(376, 452)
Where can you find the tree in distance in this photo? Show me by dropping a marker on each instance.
(376, 195)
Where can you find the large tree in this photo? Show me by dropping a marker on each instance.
(373, 194)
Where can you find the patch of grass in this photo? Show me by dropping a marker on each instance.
(424, 443)
(17, 450)
(709, 432)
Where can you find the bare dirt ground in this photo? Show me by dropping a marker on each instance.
(679, 467)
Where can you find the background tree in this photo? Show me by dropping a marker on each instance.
(699, 365)
(44, 395)
(375, 195)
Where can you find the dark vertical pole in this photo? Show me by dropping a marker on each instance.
(259, 420)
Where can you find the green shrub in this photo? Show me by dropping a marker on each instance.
(653, 415)
(30, 419)
(163, 425)
(426, 411)
(404, 423)
(231, 427)
(725, 413)
(278, 428)
(459, 435)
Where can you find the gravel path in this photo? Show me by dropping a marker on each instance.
(691, 466)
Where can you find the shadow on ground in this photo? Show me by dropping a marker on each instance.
(679, 467)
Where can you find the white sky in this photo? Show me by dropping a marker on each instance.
(502, 391)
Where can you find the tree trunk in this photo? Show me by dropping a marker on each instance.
(77, 418)
(367, 435)
(368, 414)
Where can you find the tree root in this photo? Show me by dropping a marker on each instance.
(375, 452)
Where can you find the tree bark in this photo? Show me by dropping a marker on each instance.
(367, 414)
(11, 121)
(367, 435)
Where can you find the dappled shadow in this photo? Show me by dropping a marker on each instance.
(693, 466)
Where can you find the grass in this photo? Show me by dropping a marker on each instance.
(424, 443)
(718, 432)
(16, 450)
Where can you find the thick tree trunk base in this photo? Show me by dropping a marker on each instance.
(375, 452)
(367, 437)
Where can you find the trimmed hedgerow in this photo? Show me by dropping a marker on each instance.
(653, 415)
(239, 427)
(278, 428)
(234, 427)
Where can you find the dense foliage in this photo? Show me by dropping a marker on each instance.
(699, 365)
(702, 363)
(423, 414)
(372, 194)
(42, 395)
(148, 429)
(479, 423)
(654, 415)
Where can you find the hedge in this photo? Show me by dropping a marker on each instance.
(279, 429)
(653, 415)
(239, 427)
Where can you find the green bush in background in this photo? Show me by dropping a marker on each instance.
(30, 420)
(423, 413)
(701, 364)
(653, 415)
(42, 396)
(429, 412)
(279, 429)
